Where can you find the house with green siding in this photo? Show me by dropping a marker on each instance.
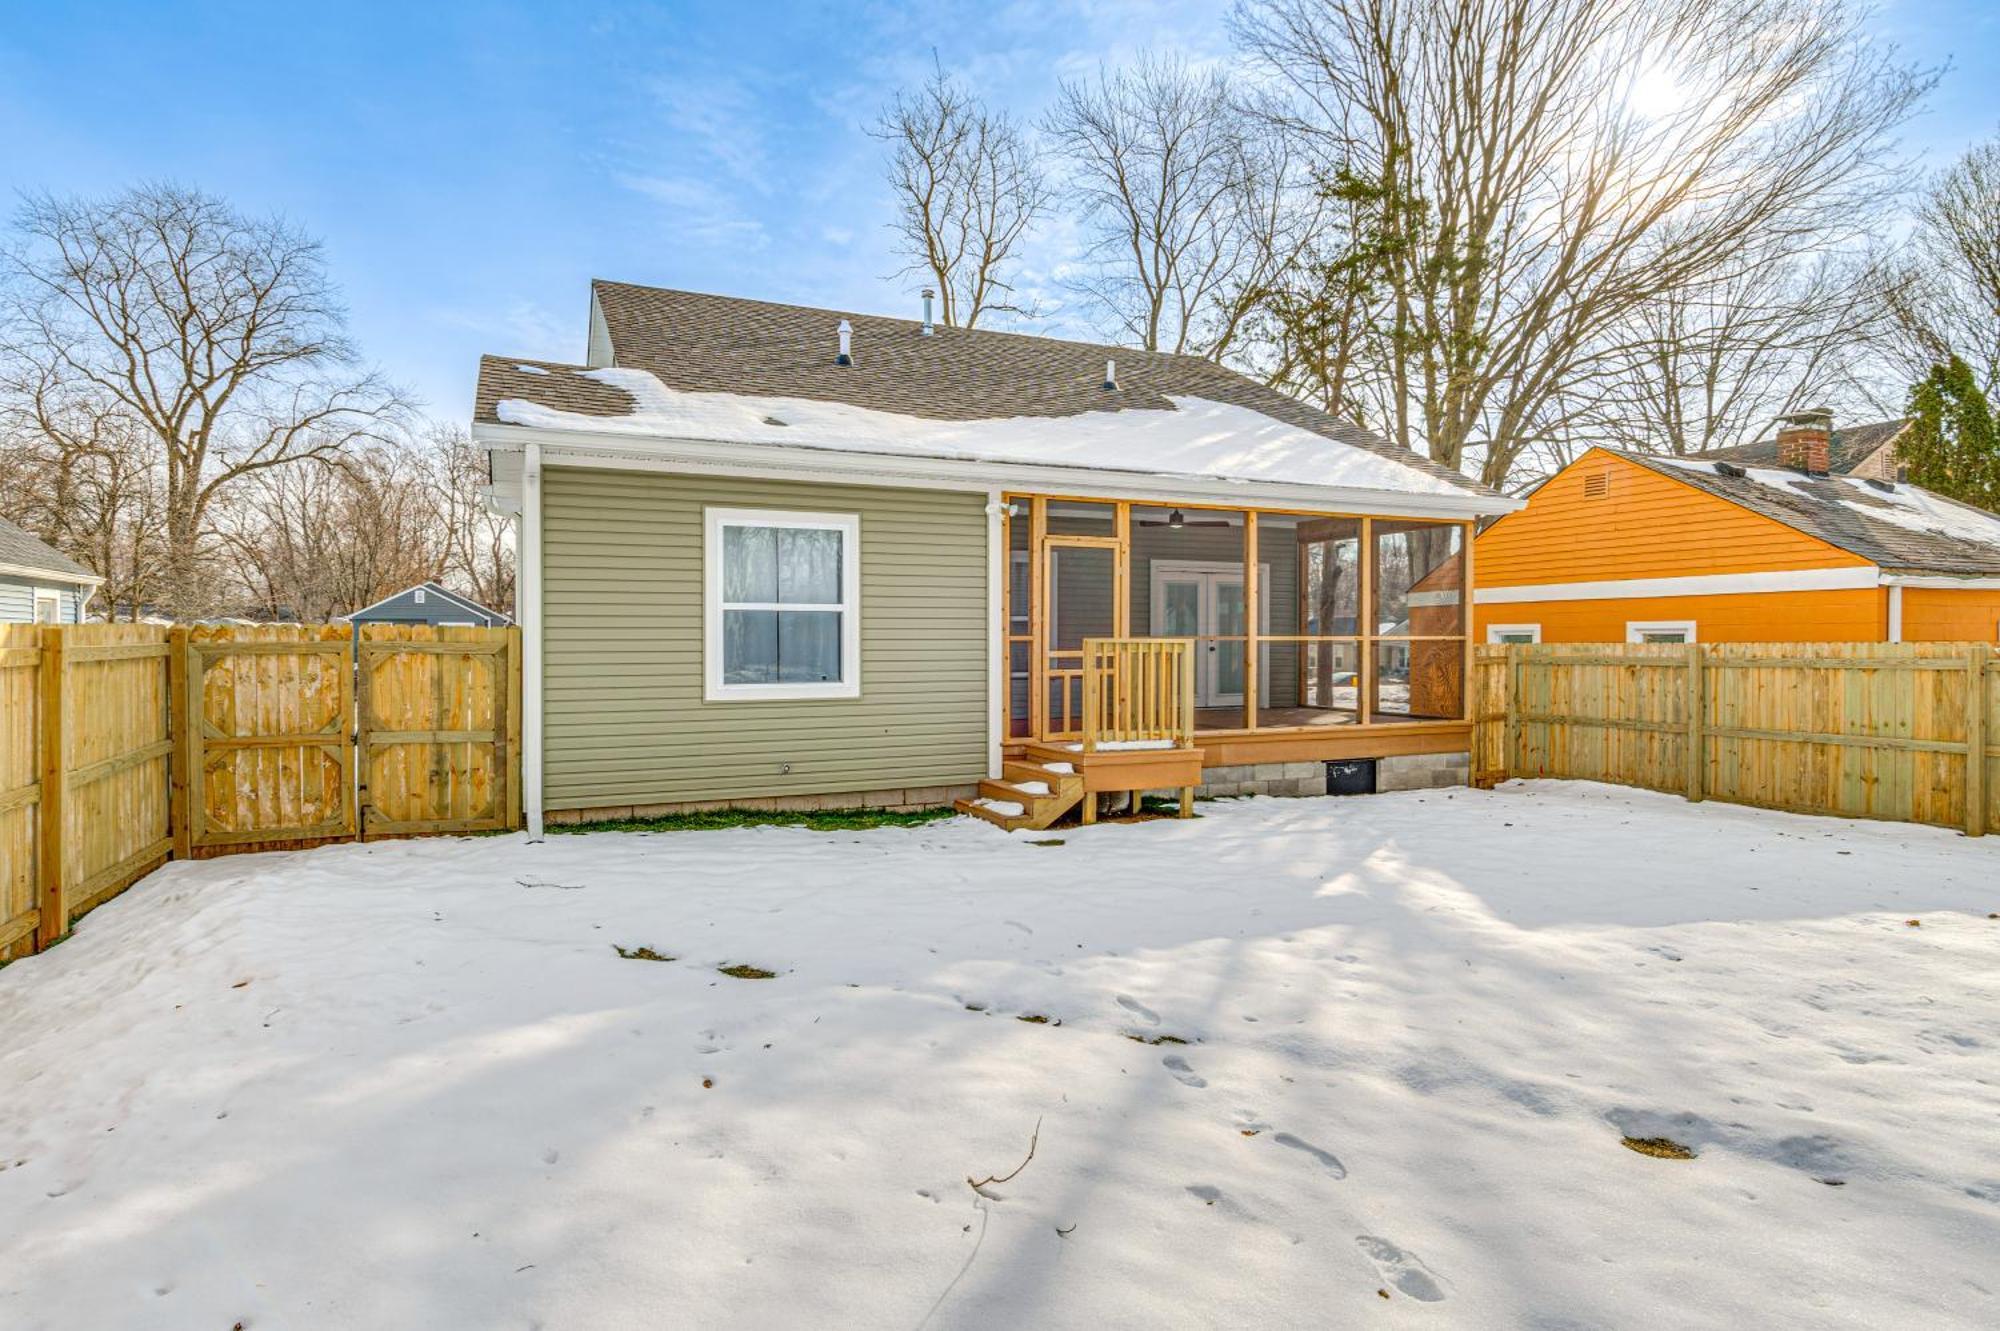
(780, 557)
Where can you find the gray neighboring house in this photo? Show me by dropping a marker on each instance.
(38, 584)
(1864, 451)
(430, 603)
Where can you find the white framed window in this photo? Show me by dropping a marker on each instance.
(781, 604)
(418, 596)
(1501, 633)
(48, 606)
(1660, 630)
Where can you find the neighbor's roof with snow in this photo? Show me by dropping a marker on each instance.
(1896, 525)
(690, 365)
(19, 548)
(1850, 446)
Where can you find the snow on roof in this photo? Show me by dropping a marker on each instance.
(1907, 506)
(1199, 437)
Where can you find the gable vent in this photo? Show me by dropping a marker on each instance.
(1597, 485)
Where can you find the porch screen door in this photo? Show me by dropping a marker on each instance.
(1083, 603)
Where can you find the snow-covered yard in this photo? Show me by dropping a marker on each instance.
(415, 1084)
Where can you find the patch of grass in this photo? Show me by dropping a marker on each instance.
(1660, 1148)
(1037, 1019)
(1154, 1039)
(641, 954)
(742, 972)
(1048, 841)
(714, 820)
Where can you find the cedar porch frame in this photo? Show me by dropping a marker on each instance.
(1248, 742)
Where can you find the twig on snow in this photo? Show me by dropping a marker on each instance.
(1004, 1178)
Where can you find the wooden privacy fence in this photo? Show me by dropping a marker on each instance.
(1901, 731)
(122, 746)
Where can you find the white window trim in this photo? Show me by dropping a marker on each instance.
(1637, 629)
(41, 594)
(1497, 633)
(849, 526)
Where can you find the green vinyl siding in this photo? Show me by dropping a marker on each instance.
(625, 721)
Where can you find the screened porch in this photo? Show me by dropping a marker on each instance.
(1299, 623)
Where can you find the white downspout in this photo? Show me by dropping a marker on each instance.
(997, 650)
(531, 637)
(1895, 612)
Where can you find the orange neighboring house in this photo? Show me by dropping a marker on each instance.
(1628, 547)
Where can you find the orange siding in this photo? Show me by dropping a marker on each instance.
(1645, 526)
(1640, 524)
(1938, 614)
(1855, 615)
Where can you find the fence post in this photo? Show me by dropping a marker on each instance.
(1975, 740)
(1511, 712)
(1697, 722)
(180, 719)
(51, 896)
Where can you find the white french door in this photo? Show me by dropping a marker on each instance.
(1205, 601)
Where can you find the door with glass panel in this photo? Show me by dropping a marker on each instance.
(1206, 603)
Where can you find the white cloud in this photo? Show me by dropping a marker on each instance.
(697, 211)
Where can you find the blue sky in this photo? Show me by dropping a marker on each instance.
(472, 166)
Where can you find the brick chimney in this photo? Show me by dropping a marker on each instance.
(1805, 441)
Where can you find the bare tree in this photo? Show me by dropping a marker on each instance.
(1942, 291)
(968, 187)
(1194, 212)
(216, 334)
(476, 549)
(323, 539)
(78, 474)
(1707, 366)
(1540, 171)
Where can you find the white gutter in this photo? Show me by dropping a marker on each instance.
(1942, 581)
(530, 607)
(1701, 584)
(655, 453)
(90, 580)
(1895, 612)
(998, 650)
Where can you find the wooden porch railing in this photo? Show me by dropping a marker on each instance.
(1138, 690)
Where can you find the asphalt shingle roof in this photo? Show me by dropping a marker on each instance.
(694, 342)
(1850, 446)
(1841, 511)
(20, 548)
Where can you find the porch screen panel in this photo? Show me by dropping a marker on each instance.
(1312, 650)
(1419, 615)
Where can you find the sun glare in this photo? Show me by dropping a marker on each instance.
(1656, 93)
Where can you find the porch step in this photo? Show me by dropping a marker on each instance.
(1030, 796)
(1126, 768)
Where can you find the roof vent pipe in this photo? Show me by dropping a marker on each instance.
(1110, 376)
(846, 356)
(929, 295)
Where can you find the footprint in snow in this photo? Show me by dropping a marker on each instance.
(1405, 1270)
(1183, 1074)
(1327, 1158)
(550, 1156)
(1139, 1010)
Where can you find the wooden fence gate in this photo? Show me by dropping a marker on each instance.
(122, 745)
(437, 734)
(269, 756)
